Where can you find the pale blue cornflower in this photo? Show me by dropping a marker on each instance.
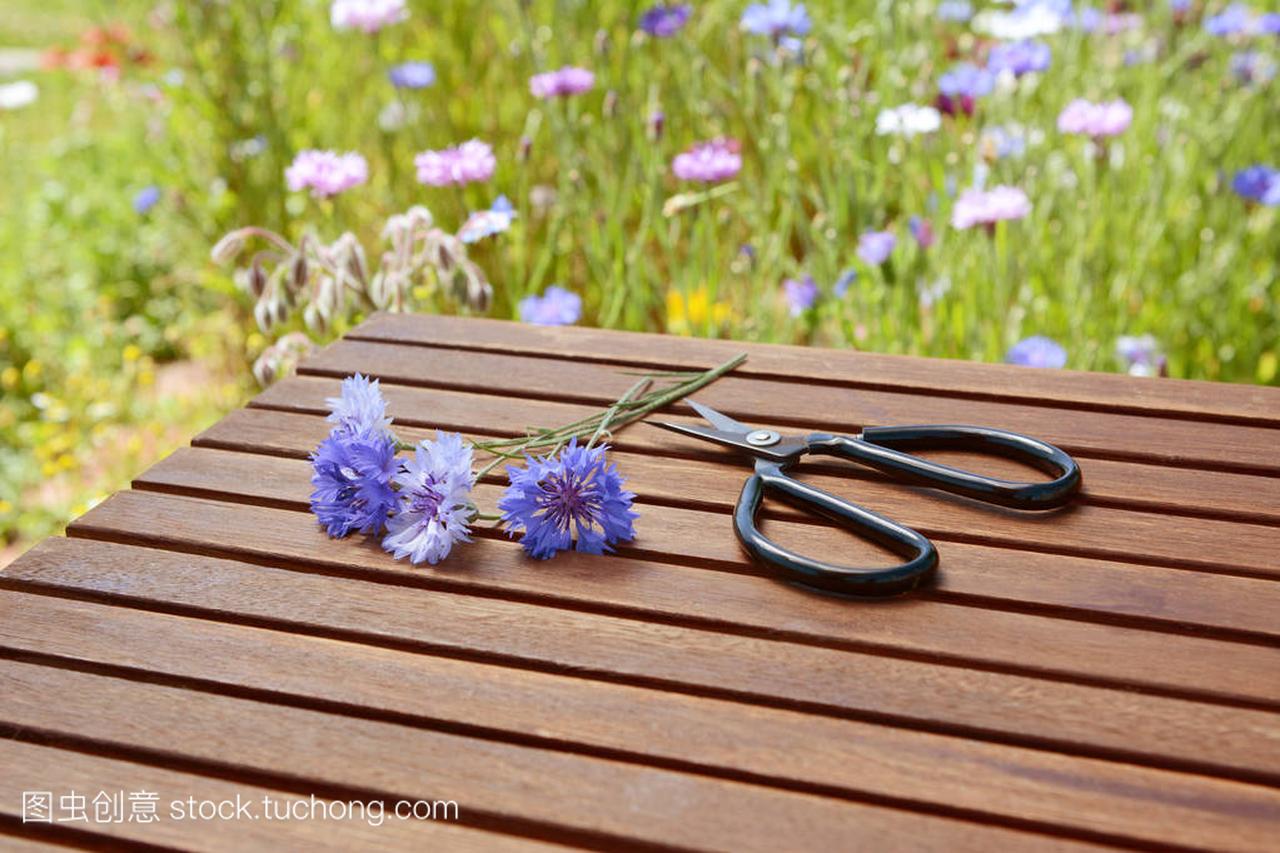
(1236, 19)
(801, 293)
(875, 247)
(145, 199)
(575, 500)
(955, 11)
(556, 307)
(665, 21)
(1037, 351)
(1019, 57)
(961, 86)
(412, 75)
(434, 502)
(1141, 355)
(360, 408)
(776, 19)
(1253, 67)
(844, 282)
(486, 223)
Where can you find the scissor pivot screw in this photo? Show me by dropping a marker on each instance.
(763, 438)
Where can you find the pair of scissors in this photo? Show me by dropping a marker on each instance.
(882, 448)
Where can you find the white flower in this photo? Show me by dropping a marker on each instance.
(1025, 22)
(908, 120)
(366, 15)
(434, 501)
(18, 94)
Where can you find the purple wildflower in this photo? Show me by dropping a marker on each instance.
(1037, 351)
(656, 125)
(987, 207)
(145, 199)
(575, 500)
(1253, 67)
(776, 19)
(1236, 19)
(665, 21)
(709, 162)
(1019, 57)
(351, 473)
(360, 408)
(486, 223)
(463, 164)
(366, 15)
(1097, 120)
(556, 307)
(955, 11)
(875, 247)
(1141, 355)
(802, 294)
(434, 503)
(565, 81)
(1258, 183)
(1268, 24)
(326, 173)
(961, 86)
(412, 75)
(844, 282)
(922, 230)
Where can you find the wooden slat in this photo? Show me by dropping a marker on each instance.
(1112, 436)
(1200, 400)
(914, 769)
(31, 767)
(1090, 589)
(500, 785)
(1228, 741)
(1180, 491)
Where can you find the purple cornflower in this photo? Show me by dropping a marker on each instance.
(563, 82)
(556, 307)
(412, 75)
(1236, 19)
(462, 164)
(844, 282)
(801, 293)
(1268, 24)
(922, 230)
(351, 473)
(486, 223)
(366, 15)
(875, 247)
(145, 199)
(1258, 183)
(1037, 351)
(776, 19)
(575, 500)
(961, 86)
(326, 173)
(1141, 355)
(987, 207)
(1096, 120)
(955, 11)
(434, 502)
(665, 21)
(709, 162)
(359, 408)
(1019, 57)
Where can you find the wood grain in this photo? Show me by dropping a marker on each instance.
(916, 770)
(1227, 741)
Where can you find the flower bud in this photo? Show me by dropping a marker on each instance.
(227, 249)
(263, 314)
(257, 279)
(656, 124)
(299, 273)
(526, 148)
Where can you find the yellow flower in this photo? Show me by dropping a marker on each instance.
(132, 352)
(5, 507)
(9, 377)
(32, 370)
(687, 313)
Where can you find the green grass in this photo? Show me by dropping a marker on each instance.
(1144, 237)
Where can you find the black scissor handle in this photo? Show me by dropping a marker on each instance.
(882, 448)
(846, 579)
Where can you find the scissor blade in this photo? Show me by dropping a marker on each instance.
(717, 436)
(717, 420)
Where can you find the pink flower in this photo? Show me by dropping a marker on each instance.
(1096, 120)
(567, 81)
(462, 164)
(326, 173)
(709, 162)
(987, 207)
(366, 15)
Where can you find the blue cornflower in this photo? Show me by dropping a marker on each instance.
(1019, 57)
(961, 86)
(957, 11)
(776, 19)
(1258, 183)
(875, 247)
(352, 472)
(360, 408)
(557, 307)
(801, 293)
(1088, 20)
(844, 282)
(1037, 351)
(665, 21)
(1236, 19)
(1268, 24)
(145, 199)
(1251, 66)
(412, 75)
(486, 223)
(434, 503)
(576, 499)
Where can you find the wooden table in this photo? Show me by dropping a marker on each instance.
(1108, 674)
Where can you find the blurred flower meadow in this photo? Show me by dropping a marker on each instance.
(1044, 182)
